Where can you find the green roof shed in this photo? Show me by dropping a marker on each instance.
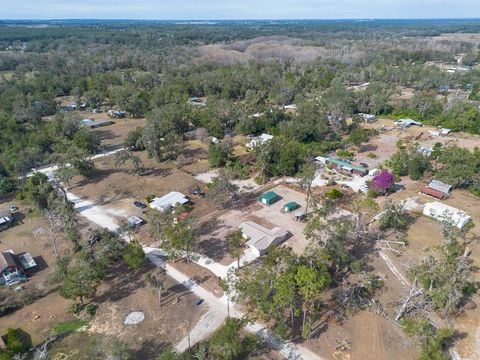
(292, 205)
(268, 198)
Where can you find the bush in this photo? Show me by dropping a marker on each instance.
(17, 341)
(372, 155)
(91, 309)
(333, 194)
(149, 198)
(75, 308)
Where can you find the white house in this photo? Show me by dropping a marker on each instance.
(368, 118)
(261, 238)
(260, 140)
(443, 212)
(405, 123)
(168, 201)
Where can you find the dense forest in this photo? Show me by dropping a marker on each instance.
(152, 68)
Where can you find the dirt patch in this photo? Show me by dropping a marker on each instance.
(127, 292)
(117, 188)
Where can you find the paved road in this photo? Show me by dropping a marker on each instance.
(217, 311)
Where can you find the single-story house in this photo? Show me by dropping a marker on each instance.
(291, 206)
(12, 267)
(169, 201)
(268, 198)
(6, 219)
(346, 166)
(260, 239)
(368, 118)
(443, 212)
(405, 123)
(260, 140)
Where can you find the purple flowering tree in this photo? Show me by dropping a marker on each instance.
(382, 182)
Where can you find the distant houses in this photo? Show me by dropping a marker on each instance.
(368, 118)
(93, 124)
(406, 123)
(260, 140)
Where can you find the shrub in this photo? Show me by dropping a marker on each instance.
(149, 198)
(372, 155)
(17, 341)
(91, 309)
(382, 182)
(75, 308)
(333, 194)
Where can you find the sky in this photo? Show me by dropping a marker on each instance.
(237, 9)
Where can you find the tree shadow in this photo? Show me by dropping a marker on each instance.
(122, 282)
(150, 350)
(98, 175)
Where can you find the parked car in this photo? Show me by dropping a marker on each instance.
(197, 191)
(140, 205)
(198, 301)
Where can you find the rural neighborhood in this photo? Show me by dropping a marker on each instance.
(239, 190)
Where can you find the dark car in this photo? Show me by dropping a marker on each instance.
(140, 205)
(198, 301)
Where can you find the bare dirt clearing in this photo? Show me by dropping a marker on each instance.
(127, 291)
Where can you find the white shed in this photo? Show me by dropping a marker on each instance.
(168, 201)
(443, 212)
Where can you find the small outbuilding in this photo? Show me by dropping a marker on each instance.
(135, 221)
(268, 198)
(437, 189)
(291, 206)
(443, 212)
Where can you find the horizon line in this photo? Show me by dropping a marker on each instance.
(242, 19)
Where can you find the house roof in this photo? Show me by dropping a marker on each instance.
(260, 237)
(168, 201)
(432, 192)
(440, 186)
(440, 211)
(8, 259)
(269, 195)
(346, 164)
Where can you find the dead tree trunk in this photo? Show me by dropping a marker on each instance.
(414, 292)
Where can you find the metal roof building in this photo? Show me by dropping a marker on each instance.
(168, 201)
(440, 186)
(443, 212)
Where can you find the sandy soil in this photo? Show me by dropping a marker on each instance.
(127, 292)
(117, 188)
